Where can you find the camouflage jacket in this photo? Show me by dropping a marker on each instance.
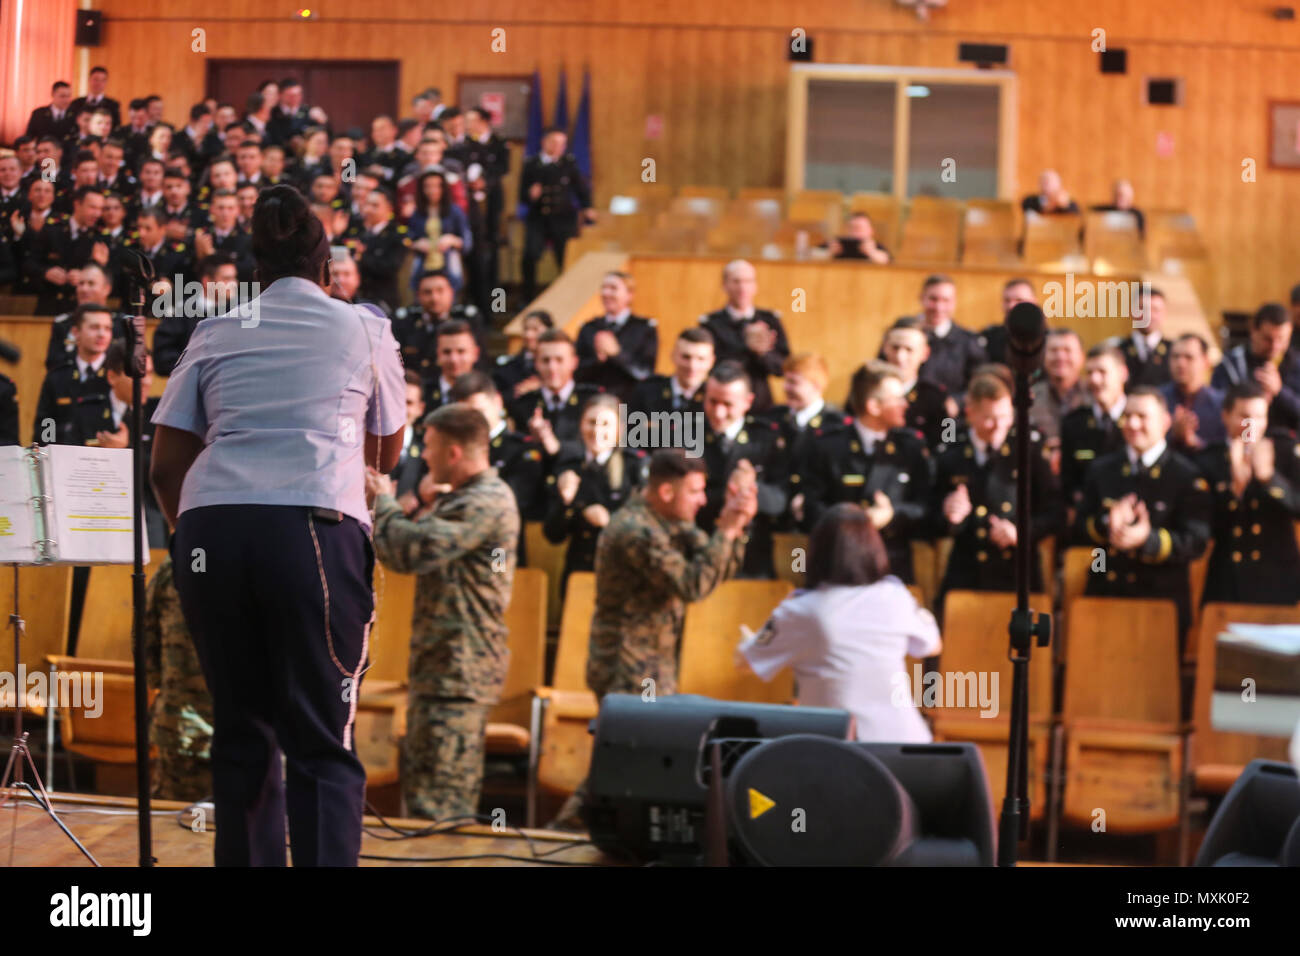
(647, 570)
(182, 711)
(464, 552)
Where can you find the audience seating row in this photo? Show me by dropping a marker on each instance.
(1118, 744)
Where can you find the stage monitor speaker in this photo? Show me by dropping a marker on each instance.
(90, 25)
(1114, 61)
(983, 54)
(1258, 823)
(794, 790)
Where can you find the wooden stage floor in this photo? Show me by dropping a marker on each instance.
(106, 826)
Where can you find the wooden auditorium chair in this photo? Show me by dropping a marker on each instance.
(711, 633)
(989, 234)
(560, 751)
(1112, 244)
(1119, 746)
(976, 640)
(932, 231)
(103, 648)
(1217, 757)
(1051, 240)
(549, 558)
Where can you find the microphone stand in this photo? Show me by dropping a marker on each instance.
(1014, 824)
(136, 365)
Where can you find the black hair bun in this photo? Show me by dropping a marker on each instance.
(287, 235)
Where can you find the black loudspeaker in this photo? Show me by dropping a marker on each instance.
(1114, 61)
(90, 24)
(984, 54)
(1258, 823)
(1163, 92)
(793, 790)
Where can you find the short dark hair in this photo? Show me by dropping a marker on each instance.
(914, 322)
(472, 383)
(1149, 292)
(1018, 280)
(670, 464)
(60, 84)
(1270, 313)
(1295, 294)
(152, 212)
(412, 377)
(1061, 331)
(115, 360)
(987, 386)
(114, 141)
(434, 274)
(542, 316)
(99, 69)
(199, 110)
(88, 308)
(480, 112)
(209, 265)
(728, 371)
(937, 279)
(463, 425)
(1147, 391)
(1242, 391)
(555, 335)
(288, 83)
(175, 172)
(1194, 337)
(1106, 350)
(84, 191)
(696, 335)
(455, 327)
(845, 548)
(546, 132)
(865, 381)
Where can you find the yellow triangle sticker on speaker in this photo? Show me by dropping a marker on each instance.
(759, 804)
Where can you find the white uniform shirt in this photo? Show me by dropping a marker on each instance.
(283, 405)
(846, 644)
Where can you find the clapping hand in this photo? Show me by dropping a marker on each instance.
(606, 345)
(881, 510)
(1002, 532)
(567, 485)
(377, 484)
(956, 507)
(759, 338)
(540, 427)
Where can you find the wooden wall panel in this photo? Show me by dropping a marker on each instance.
(847, 306)
(716, 73)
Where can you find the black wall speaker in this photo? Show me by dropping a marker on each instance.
(985, 54)
(1114, 61)
(90, 24)
(1163, 92)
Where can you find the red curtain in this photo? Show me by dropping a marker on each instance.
(37, 40)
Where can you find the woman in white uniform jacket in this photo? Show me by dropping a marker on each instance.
(846, 634)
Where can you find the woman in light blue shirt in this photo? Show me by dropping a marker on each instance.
(263, 435)
(848, 632)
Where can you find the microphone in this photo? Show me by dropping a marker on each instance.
(10, 352)
(1026, 332)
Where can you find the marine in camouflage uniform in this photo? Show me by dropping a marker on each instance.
(463, 550)
(181, 726)
(648, 569)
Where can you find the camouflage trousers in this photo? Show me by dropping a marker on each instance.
(442, 757)
(178, 776)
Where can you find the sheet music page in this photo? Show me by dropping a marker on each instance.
(92, 506)
(17, 523)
